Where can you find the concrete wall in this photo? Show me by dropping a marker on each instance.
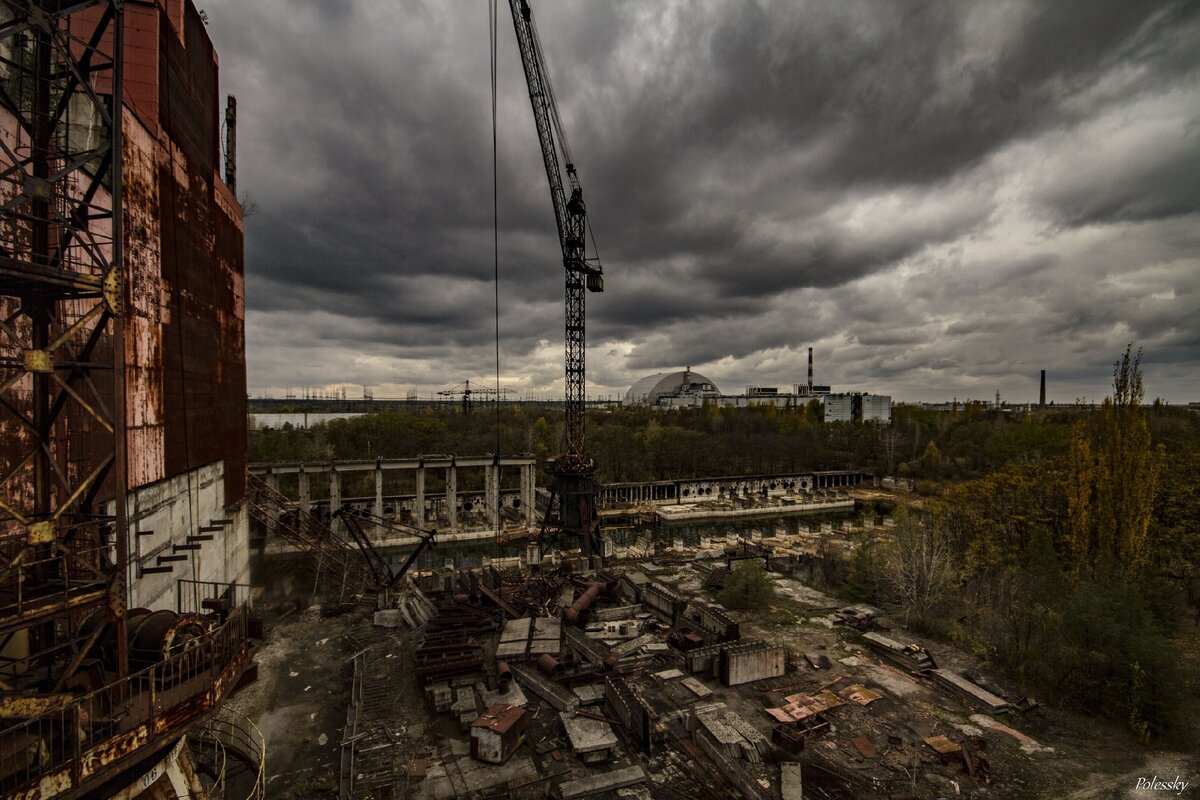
(748, 663)
(176, 509)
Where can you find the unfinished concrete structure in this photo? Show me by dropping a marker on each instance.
(731, 487)
(858, 407)
(449, 510)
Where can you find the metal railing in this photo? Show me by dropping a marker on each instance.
(37, 581)
(199, 597)
(233, 733)
(75, 742)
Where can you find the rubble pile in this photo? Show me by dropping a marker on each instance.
(632, 682)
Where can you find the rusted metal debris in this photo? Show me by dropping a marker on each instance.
(864, 747)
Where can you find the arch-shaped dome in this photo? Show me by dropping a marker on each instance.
(648, 390)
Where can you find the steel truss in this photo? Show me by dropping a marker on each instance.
(63, 545)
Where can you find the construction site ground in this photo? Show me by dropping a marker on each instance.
(305, 675)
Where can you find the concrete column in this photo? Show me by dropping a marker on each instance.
(419, 502)
(273, 524)
(305, 494)
(378, 509)
(335, 499)
(491, 491)
(528, 501)
(452, 496)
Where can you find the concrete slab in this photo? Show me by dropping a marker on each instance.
(792, 782)
(606, 782)
(589, 693)
(514, 697)
(588, 735)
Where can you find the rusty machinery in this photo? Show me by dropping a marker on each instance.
(573, 472)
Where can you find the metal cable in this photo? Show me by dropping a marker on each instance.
(493, 18)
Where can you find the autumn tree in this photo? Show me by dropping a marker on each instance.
(1114, 477)
(919, 568)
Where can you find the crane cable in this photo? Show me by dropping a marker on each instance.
(493, 14)
(551, 101)
(555, 118)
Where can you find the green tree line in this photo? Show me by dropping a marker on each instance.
(639, 444)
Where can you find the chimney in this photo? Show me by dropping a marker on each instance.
(810, 371)
(1042, 395)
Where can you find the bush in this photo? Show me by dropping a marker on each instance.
(747, 586)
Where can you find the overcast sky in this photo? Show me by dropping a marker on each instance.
(940, 198)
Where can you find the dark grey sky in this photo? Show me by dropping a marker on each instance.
(941, 198)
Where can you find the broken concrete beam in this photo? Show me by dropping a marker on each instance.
(633, 645)
(735, 775)
(619, 612)
(587, 648)
(791, 780)
(969, 691)
(605, 782)
(721, 736)
(911, 656)
(553, 693)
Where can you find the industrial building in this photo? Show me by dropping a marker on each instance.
(123, 532)
(858, 407)
(687, 389)
(684, 389)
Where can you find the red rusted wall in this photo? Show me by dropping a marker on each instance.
(185, 343)
(202, 346)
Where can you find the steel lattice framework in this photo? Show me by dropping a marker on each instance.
(63, 545)
(573, 471)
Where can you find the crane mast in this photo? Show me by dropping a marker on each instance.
(573, 471)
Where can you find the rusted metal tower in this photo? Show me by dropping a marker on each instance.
(63, 552)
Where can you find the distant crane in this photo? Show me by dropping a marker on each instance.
(465, 391)
(573, 472)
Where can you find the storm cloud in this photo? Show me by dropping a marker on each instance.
(942, 198)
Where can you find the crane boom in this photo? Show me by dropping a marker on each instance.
(570, 214)
(573, 471)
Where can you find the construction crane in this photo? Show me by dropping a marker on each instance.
(573, 472)
(465, 391)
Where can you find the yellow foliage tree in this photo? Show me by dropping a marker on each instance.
(1115, 473)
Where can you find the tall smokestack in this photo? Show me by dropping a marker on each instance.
(1042, 395)
(810, 370)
